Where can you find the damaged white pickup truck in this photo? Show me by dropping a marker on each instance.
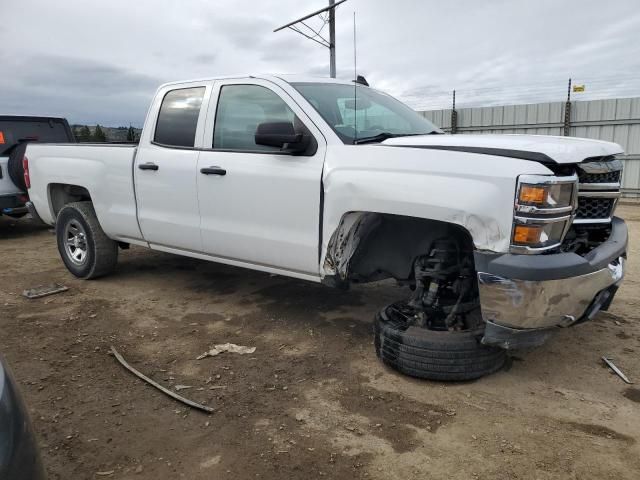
(501, 238)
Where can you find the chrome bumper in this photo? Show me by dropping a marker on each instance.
(520, 293)
(527, 304)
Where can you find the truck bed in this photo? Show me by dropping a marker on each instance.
(106, 170)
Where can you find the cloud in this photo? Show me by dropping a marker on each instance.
(102, 62)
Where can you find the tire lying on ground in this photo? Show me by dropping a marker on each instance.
(85, 249)
(433, 355)
(15, 167)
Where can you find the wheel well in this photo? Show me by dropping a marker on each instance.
(373, 246)
(61, 194)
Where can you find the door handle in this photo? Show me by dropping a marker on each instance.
(213, 171)
(148, 166)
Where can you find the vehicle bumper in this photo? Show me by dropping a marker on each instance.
(523, 296)
(12, 204)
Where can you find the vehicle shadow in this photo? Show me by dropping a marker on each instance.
(272, 294)
(11, 228)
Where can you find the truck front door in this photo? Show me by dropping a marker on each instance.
(258, 205)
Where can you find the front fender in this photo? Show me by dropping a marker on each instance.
(475, 192)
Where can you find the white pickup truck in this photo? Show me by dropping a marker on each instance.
(501, 238)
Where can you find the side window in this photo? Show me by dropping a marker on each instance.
(178, 117)
(240, 109)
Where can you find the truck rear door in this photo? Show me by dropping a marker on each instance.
(165, 168)
(257, 204)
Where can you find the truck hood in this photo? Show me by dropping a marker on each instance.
(539, 148)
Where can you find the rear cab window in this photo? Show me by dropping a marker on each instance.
(178, 117)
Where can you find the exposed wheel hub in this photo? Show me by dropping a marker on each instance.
(446, 292)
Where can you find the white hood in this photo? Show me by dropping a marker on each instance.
(555, 149)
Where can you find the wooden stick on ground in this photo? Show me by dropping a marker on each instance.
(164, 390)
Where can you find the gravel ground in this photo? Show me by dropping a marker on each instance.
(312, 401)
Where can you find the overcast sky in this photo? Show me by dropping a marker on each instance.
(102, 61)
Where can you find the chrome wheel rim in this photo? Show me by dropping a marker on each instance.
(75, 242)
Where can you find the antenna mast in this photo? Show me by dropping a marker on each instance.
(328, 16)
(355, 83)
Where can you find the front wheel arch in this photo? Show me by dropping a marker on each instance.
(369, 246)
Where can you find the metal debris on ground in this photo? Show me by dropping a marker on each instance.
(164, 390)
(44, 290)
(227, 347)
(618, 372)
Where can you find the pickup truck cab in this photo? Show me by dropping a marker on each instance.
(502, 238)
(15, 132)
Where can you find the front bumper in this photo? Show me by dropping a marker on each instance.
(538, 292)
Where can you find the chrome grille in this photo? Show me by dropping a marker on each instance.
(598, 190)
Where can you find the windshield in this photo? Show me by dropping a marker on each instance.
(369, 114)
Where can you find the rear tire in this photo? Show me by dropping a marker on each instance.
(85, 249)
(15, 167)
(433, 355)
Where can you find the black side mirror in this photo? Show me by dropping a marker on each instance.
(281, 135)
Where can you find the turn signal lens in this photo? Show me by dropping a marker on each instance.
(1, 138)
(533, 194)
(527, 234)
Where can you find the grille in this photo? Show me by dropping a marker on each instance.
(594, 208)
(607, 177)
(599, 189)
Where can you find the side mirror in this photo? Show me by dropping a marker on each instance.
(281, 135)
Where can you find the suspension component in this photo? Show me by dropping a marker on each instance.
(446, 290)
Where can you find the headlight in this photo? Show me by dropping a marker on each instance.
(546, 196)
(544, 208)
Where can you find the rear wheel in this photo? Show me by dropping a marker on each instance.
(85, 249)
(15, 167)
(432, 354)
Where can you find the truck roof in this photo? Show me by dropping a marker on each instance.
(288, 78)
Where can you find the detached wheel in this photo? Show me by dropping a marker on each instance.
(430, 354)
(85, 249)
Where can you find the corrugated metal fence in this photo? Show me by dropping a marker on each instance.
(614, 120)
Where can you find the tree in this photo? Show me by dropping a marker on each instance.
(131, 134)
(99, 135)
(83, 134)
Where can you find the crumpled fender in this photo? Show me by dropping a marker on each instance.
(473, 191)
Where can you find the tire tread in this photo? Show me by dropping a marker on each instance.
(434, 355)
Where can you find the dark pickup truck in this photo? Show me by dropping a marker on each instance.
(15, 133)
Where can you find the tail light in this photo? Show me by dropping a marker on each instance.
(25, 166)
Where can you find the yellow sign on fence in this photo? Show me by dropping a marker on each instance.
(578, 88)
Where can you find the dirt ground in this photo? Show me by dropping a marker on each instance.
(313, 400)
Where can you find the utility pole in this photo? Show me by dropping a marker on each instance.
(332, 38)
(454, 115)
(567, 112)
(328, 17)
